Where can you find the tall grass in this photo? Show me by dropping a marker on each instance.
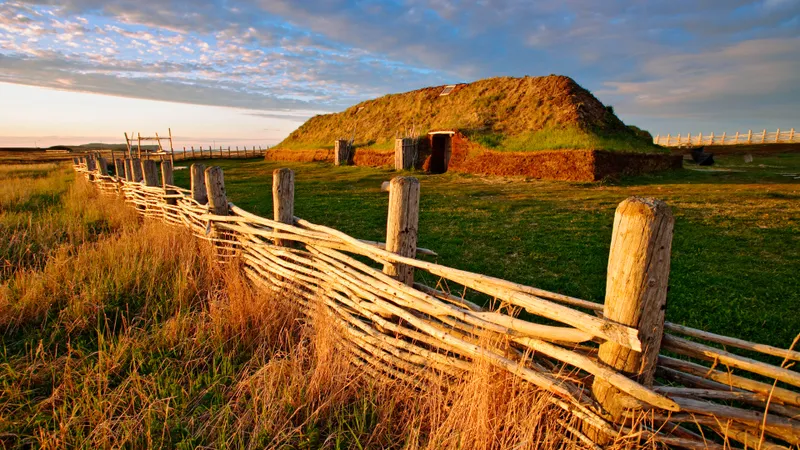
(131, 335)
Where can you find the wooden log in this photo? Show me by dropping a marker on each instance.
(636, 292)
(733, 342)
(700, 351)
(199, 193)
(403, 153)
(136, 167)
(215, 187)
(283, 199)
(119, 168)
(150, 169)
(402, 226)
(102, 166)
(777, 393)
(167, 179)
(341, 152)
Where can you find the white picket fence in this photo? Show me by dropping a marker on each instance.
(776, 137)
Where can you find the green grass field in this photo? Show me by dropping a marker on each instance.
(736, 251)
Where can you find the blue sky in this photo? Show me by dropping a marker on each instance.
(248, 72)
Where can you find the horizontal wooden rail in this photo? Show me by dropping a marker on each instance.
(759, 137)
(397, 327)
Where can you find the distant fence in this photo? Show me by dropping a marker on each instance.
(190, 152)
(601, 363)
(762, 137)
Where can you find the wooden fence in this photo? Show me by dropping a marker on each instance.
(221, 152)
(763, 137)
(603, 363)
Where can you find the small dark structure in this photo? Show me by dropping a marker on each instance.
(701, 157)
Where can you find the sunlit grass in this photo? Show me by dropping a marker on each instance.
(131, 335)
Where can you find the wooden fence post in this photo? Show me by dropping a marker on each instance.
(119, 168)
(199, 183)
(636, 293)
(168, 179)
(150, 169)
(791, 135)
(128, 170)
(341, 154)
(749, 136)
(402, 226)
(136, 166)
(102, 166)
(778, 136)
(215, 187)
(764, 136)
(283, 199)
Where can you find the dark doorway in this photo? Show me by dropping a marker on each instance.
(440, 152)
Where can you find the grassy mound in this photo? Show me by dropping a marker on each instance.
(505, 113)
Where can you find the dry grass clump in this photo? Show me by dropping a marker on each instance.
(133, 336)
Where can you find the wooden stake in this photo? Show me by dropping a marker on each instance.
(636, 292)
(283, 199)
(749, 136)
(199, 183)
(402, 226)
(150, 169)
(167, 179)
(102, 166)
(119, 168)
(136, 169)
(215, 187)
(128, 170)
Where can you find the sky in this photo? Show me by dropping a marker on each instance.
(225, 72)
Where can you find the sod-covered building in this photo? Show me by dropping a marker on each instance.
(543, 127)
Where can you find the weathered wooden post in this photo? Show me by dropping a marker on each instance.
(102, 166)
(215, 187)
(283, 200)
(402, 226)
(119, 168)
(199, 183)
(136, 167)
(128, 170)
(167, 179)
(341, 152)
(150, 169)
(403, 153)
(636, 293)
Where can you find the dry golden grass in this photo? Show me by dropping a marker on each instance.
(133, 336)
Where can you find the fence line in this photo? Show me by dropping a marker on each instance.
(777, 137)
(229, 152)
(414, 318)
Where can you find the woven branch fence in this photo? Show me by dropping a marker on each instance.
(608, 365)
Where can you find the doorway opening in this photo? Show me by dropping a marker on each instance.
(441, 147)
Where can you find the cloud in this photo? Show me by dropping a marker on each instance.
(650, 59)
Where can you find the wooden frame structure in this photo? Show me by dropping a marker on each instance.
(129, 141)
